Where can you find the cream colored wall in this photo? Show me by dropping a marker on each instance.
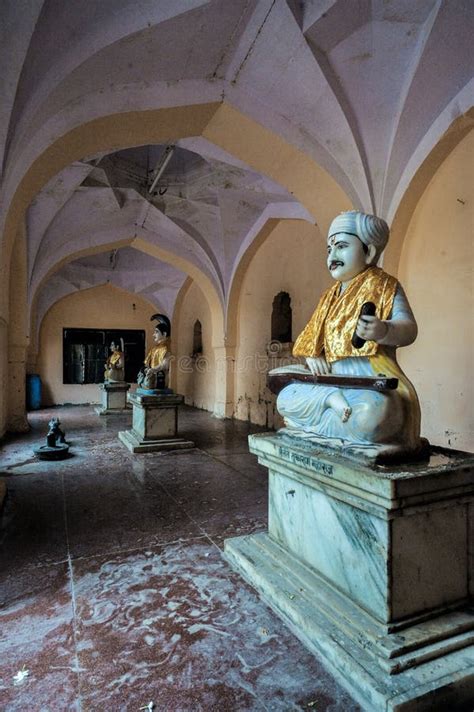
(3, 375)
(195, 377)
(293, 260)
(436, 269)
(104, 307)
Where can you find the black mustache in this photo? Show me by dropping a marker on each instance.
(336, 263)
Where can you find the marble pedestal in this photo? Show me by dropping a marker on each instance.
(155, 424)
(372, 568)
(113, 397)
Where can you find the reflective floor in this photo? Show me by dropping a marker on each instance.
(113, 589)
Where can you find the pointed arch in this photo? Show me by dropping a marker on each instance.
(218, 122)
(458, 130)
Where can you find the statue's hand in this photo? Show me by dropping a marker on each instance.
(370, 328)
(318, 366)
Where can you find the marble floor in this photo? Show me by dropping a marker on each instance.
(113, 589)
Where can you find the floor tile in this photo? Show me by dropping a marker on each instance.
(211, 486)
(153, 612)
(246, 464)
(32, 528)
(177, 624)
(107, 512)
(37, 634)
(49, 686)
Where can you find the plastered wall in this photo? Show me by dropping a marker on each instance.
(3, 375)
(293, 260)
(436, 268)
(195, 377)
(96, 308)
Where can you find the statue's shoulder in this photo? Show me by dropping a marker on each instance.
(383, 276)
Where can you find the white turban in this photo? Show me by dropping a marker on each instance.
(370, 229)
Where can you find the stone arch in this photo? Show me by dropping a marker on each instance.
(436, 269)
(140, 244)
(218, 122)
(93, 307)
(459, 128)
(34, 326)
(291, 257)
(234, 295)
(176, 320)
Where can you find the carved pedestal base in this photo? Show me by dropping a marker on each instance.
(371, 567)
(155, 424)
(113, 396)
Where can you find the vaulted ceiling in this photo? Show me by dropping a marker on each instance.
(365, 88)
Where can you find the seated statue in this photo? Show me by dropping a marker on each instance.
(153, 375)
(115, 364)
(341, 416)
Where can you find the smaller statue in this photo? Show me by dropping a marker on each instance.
(55, 434)
(153, 375)
(115, 364)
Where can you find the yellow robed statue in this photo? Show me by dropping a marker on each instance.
(115, 364)
(154, 373)
(345, 338)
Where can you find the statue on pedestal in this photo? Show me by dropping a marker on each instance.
(351, 340)
(155, 407)
(115, 364)
(153, 375)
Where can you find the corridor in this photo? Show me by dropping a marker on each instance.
(113, 589)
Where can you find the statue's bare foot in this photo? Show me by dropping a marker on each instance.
(339, 404)
(346, 414)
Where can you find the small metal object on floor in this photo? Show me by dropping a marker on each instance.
(59, 452)
(56, 447)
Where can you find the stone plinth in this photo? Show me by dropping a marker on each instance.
(155, 424)
(113, 397)
(372, 568)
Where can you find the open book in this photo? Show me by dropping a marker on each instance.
(280, 377)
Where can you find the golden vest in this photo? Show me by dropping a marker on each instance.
(156, 354)
(114, 358)
(334, 321)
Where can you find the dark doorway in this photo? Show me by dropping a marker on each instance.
(85, 352)
(197, 338)
(282, 318)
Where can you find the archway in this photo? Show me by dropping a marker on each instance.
(436, 268)
(218, 123)
(101, 307)
(458, 130)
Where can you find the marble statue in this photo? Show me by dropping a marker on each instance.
(155, 407)
(115, 364)
(153, 375)
(345, 416)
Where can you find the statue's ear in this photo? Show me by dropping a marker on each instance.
(370, 255)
